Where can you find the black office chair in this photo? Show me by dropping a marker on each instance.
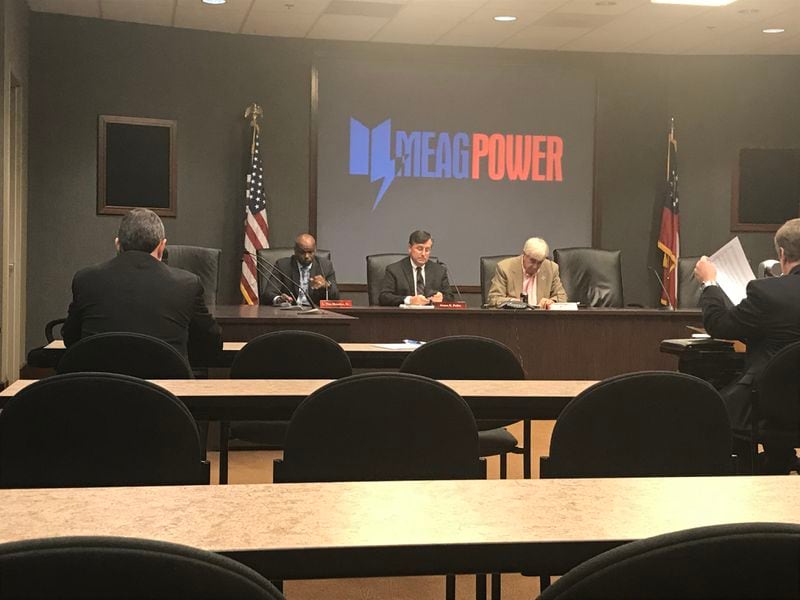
(591, 276)
(126, 353)
(285, 355)
(646, 424)
(737, 561)
(265, 264)
(203, 262)
(768, 268)
(776, 401)
(688, 286)
(381, 427)
(115, 568)
(473, 357)
(376, 267)
(98, 429)
(488, 269)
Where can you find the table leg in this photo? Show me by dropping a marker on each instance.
(224, 433)
(527, 449)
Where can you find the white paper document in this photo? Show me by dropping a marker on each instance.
(402, 346)
(733, 270)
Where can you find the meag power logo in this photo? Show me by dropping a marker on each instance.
(384, 155)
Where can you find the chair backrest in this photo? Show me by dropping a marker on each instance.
(768, 268)
(291, 355)
(591, 276)
(488, 269)
(741, 560)
(688, 286)
(126, 353)
(98, 429)
(651, 423)
(203, 262)
(379, 427)
(777, 405)
(376, 267)
(464, 357)
(115, 568)
(266, 259)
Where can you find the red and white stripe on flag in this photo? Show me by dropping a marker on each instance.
(256, 227)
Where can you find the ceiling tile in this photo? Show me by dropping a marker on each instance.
(476, 34)
(536, 37)
(280, 24)
(151, 12)
(221, 17)
(591, 7)
(410, 31)
(341, 27)
(77, 8)
(314, 7)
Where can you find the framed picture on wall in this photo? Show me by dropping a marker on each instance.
(766, 189)
(136, 165)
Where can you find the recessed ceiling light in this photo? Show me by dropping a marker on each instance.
(505, 18)
(213, 1)
(773, 30)
(695, 2)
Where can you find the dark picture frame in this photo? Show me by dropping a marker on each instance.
(765, 190)
(136, 165)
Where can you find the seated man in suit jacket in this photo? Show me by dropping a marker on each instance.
(302, 276)
(766, 320)
(136, 292)
(531, 275)
(415, 280)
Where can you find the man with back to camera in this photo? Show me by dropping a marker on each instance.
(301, 276)
(766, 320)
(530, 274)
(136, 292)
(415, 280)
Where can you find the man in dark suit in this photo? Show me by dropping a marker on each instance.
(302, 276)
(415, 280)
(766, 320)
(136, 292)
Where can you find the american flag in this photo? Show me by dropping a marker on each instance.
(256, 227)
(669, 235)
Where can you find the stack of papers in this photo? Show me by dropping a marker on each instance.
(733, 270)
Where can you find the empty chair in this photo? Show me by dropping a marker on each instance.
(266, 259)
(769, 268)
(473, 357)
(285, 355)
(776, 402)
(488, 269)
(591, 276)
(116, 568)
(737, 561)
(380, 427)
(688, 287)
(203, 262)
(652, 423)
(132, 354)
(98, 429)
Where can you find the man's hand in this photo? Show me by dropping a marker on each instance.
(705, 270)
(317, 282)
(418, 299)
(286, 299)
(546, 302)
(437, 297)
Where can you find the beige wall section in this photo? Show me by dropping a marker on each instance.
(14, 186)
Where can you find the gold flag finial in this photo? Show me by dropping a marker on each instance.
(253, 112)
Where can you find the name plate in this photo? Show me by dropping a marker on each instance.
(454, 304)
(336, 304)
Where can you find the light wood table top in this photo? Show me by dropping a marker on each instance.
(349, 347)
(239, 399)
(403, 528)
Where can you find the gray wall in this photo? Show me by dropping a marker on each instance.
(81, 68)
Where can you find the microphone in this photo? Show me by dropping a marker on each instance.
(661, 283)
(324, 276)
(268, 274)
(307, 296)
(455, 285)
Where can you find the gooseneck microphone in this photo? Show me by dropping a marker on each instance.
(275, 271)
(455, 285)
(663, 287)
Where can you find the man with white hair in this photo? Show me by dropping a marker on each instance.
(531, 276)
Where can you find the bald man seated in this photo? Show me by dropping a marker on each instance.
(531, 276)
(303, 278)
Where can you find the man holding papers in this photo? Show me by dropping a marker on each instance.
(531, 275)
(767, 319)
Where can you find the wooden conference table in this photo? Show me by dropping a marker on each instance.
(592, 343)
(228, 400)
(307, 531)
(362, 355)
